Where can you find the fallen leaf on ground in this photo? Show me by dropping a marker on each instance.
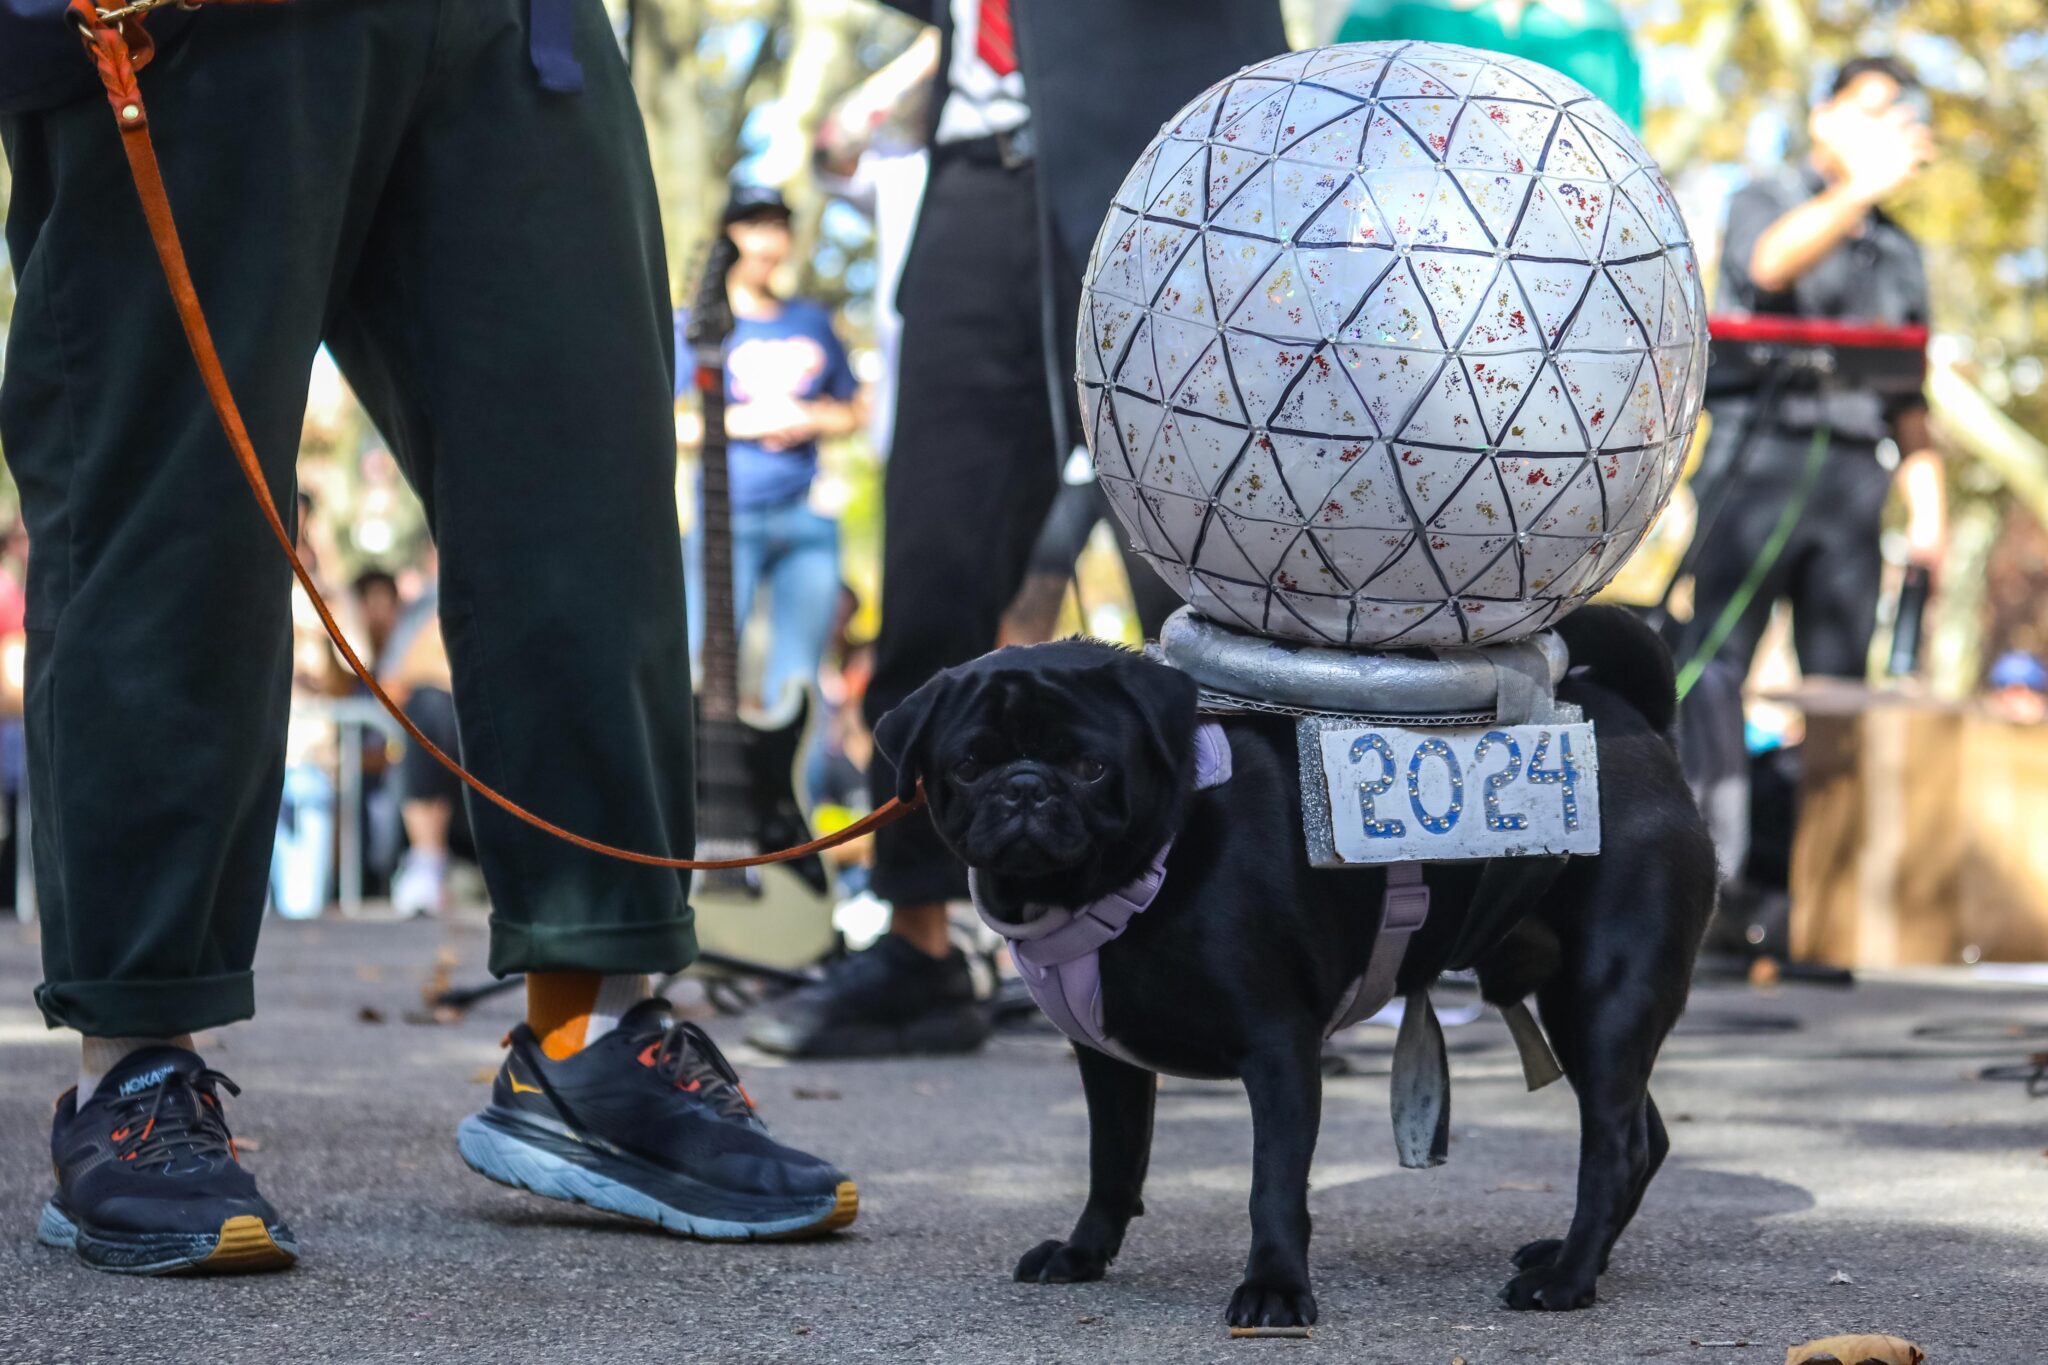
(369, 1014)
(1856, 1350)
(437, 983)
(1522, 1186)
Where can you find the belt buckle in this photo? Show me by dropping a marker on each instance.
(1016, 147)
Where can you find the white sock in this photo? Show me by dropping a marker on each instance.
(615, 996)
(98, 1056)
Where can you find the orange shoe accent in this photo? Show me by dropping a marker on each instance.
(244, 1245)
(845, 1208)
(558, 1006)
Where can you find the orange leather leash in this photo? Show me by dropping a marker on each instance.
(119, 45)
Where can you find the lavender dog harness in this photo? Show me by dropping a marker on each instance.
(1058, 952)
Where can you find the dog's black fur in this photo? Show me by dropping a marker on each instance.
(1057, 771)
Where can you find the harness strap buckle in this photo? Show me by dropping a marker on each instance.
(1405, 904)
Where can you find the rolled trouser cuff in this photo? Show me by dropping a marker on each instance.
(148, 1009)
(652, 946)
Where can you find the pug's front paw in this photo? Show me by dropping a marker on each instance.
(1057, 1262)
(1271, 1301)
(1543, 1288)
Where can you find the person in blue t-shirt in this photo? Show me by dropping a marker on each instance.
(787, 384)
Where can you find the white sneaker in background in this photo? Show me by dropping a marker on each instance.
(420, 886)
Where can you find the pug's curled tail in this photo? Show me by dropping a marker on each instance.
(1622, 654)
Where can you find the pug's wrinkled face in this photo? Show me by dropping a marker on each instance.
(1058, 769)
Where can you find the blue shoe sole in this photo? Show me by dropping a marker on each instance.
(242, 1245)
(528, 1157)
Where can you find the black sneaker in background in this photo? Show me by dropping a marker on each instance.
(148, 1180)
(891, 1000)
(650, 1121)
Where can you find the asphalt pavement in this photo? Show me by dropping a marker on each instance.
(1832, 1171)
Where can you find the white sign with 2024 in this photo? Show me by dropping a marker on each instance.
(1447, 793)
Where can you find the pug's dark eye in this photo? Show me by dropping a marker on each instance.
(1086, 769)
(969, 770)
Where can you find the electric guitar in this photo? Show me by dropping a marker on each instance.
(779, 916)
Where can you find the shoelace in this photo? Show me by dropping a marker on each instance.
(687, 1054)
(194, 1126)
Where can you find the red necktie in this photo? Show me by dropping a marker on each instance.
(992, 41)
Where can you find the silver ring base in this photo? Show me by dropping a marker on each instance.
(1241, 671)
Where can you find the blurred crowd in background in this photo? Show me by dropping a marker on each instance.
(815, 109)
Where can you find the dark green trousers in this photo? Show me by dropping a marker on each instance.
(485, 261)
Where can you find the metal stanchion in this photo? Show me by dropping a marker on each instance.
(350, 815)
(351, 718)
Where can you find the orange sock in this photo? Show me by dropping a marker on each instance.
(568, 1011)
(558, 1007)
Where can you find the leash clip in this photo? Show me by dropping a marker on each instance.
(132, 9)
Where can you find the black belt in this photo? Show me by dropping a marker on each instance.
(1009, 150)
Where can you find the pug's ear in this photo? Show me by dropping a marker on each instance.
(901, 736)
(1166, 698)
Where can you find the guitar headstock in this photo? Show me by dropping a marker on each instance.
(710, 319)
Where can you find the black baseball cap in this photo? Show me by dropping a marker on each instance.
(754, 201)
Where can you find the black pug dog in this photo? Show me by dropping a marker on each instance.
(1057, 772)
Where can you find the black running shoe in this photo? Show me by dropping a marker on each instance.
(650, 1121)
(892, 1000)
(148, 1180)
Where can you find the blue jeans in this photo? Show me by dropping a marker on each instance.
(793, 553)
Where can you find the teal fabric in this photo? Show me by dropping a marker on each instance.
(1594, 50)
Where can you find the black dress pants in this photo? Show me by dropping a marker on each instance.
(485, 261)
(972, 467)
(1829, 570)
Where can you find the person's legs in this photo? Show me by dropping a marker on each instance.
(544, 458)
(159, 640)
(510, 331)
(1734, 547)
(972, 471)
(1034, 614)
(802, 575)
(159, 635)
(1834, 601)
(1712, 744)
(1076, 508)
(428, 795)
